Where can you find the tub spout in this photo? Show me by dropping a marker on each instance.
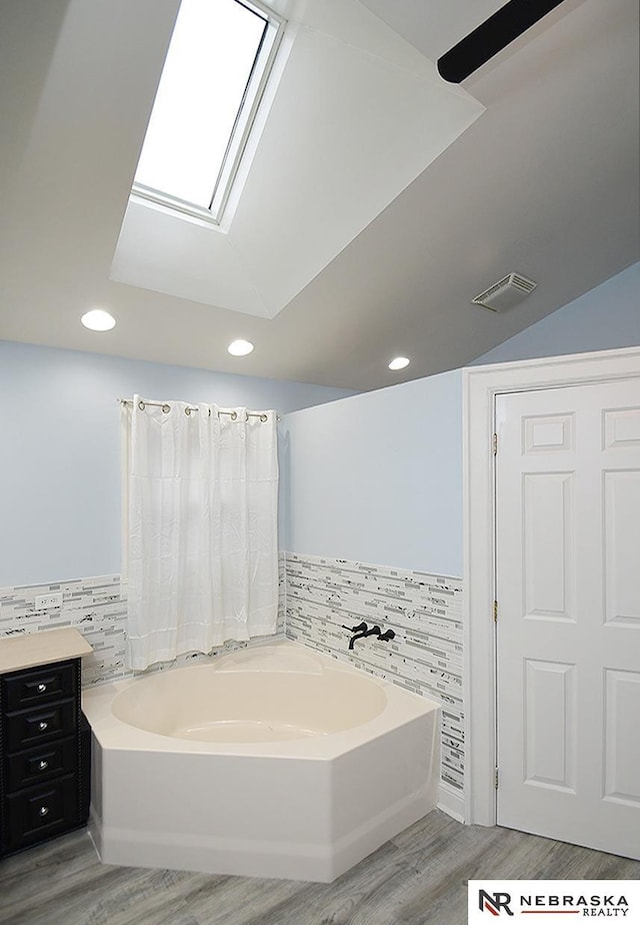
(374, 631)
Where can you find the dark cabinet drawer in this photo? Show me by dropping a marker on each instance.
(45, 755)
(27, 728)
(39, 685)
(37, 765)
(42, 811)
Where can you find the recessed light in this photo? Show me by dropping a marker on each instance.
(98, 320)
(240, 348)
(399, 363)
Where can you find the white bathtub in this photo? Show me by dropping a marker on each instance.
(274, 761)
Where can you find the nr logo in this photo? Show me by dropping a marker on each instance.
(495, 903)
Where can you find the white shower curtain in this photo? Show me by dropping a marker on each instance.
(202, 557)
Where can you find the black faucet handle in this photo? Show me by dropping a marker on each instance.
(386, 636)
(360, 628)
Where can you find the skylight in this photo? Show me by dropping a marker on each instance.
(213, 77)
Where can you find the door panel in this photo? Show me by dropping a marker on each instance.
(547, 512)
(549, 724)
(547, 432)
(568, 632)
(622, 542)
(621, 427)
(622, 741)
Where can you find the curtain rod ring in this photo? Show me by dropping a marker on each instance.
(234, 415)
(141, 405)
(166, 408)
(263, 418)
(187, 410)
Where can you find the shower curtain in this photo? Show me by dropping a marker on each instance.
(201, 507)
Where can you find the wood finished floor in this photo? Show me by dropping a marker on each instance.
(418, 878)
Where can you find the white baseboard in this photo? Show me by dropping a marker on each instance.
(451, 802)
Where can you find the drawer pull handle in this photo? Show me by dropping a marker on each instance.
(42, 725)
(43, 765)
(42, 688)
(44, 810)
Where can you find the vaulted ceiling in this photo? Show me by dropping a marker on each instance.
(544, 182)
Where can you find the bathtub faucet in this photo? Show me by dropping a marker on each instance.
(360, 628)
(361, 631)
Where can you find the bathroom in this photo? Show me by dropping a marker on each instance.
(81, 429)
(371, 522)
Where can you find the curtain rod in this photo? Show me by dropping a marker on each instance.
(166, 407)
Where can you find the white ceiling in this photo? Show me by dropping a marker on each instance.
(328, 156)
(545, 183)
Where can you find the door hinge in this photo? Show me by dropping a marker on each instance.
(497, 777)
(494, 444)
(495, 611)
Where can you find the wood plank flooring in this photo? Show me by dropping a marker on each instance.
(418, 878)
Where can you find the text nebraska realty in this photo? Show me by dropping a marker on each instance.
(588, 905)
(600, 905)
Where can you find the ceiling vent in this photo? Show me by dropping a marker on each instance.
(506, 293)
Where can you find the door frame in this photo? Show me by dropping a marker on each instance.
(480, 385)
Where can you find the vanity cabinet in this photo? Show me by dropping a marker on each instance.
(44, 754)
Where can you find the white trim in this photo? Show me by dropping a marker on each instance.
(260, 76)
(451, 801)
(125, 451)
(171, 204)
(481, 384)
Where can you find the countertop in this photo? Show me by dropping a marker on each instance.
(42, 648)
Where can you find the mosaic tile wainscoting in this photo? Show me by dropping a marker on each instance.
(424, 611)
(97, 607)
(317, 596)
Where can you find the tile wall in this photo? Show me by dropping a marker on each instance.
(97, 607)
(424, 611)
(317, 596)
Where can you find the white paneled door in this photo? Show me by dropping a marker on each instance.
(568, 631)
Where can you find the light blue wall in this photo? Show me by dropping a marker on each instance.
(374, 477)
(606, 317)
(60, 450)
(378, 477)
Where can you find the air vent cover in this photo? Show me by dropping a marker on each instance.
(506, 293)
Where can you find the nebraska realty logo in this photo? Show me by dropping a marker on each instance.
(600, 899)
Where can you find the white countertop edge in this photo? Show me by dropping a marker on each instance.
(41, 648)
